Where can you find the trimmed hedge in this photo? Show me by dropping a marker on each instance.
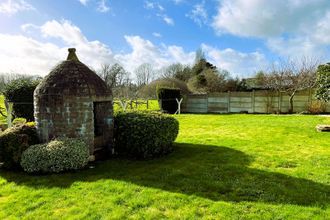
(21, 91)
(150, 90)
(144, 136)
(167, 98)
(14, 141)
(56, 156)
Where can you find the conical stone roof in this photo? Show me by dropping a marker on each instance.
(72, 78)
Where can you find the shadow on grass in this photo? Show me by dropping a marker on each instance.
(212, 172)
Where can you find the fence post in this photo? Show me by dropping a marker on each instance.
(253, 101)
(123, 104)
(207, 103)
(228, 111)
(309, 96)
(179, 106)
(147, 103)
(279, 101)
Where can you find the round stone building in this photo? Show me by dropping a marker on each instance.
(73, 101)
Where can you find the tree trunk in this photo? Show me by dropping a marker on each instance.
(291, 102)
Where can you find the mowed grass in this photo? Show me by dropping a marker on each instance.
(141, 106)
(222, 167)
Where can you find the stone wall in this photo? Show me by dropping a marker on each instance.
(69, 116)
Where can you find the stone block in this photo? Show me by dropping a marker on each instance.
(323, 128)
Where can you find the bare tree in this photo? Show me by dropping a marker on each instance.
(113, 75)
(171, 70)
(117, 78)
(144, 74)
(292, 76)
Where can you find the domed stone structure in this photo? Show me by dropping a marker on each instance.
(72, 101)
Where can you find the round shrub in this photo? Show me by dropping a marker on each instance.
(149, 91)
(14, 141)
(144, 135)
(56, 156)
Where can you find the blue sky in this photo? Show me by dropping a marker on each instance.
(237, 35)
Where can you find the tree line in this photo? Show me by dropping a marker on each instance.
(201, 77)
(286, 76)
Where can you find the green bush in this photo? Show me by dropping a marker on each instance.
(150, 90)
(20, 91)
(143, 136)
(316, 107)
(56, 156)
(323, 83)
(13, 142)
(167, 98)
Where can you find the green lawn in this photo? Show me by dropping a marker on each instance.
(152, 106)
(222, 167)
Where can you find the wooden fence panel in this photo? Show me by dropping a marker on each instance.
(252, 102)
(196, 104)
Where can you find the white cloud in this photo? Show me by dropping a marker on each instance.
(83, 2)
(144, 51)
(11, 7)
(237, 63)
(22, 54)
(25, 55)
(156, 34)
(263, 18)
(290, 28)
(102, 6)
(63, 30)
(72, 36)
(297, 47)
(198, 14)
(153, 5)
(160, 11)
(149, 5)
(167, 19)
(178, 55)
(178, 1)
(28, 28)
(321, 31)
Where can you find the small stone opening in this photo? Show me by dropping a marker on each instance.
(101, 124)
